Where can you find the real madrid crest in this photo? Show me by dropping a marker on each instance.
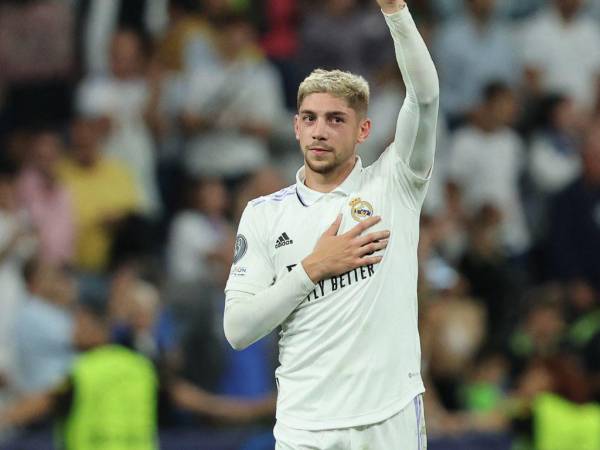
(360, 209)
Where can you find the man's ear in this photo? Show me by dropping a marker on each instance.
(364, 130)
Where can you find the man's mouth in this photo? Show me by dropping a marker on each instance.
(319, 151)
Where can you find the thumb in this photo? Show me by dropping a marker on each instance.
(335, 226)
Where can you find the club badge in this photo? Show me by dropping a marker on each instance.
(360, 209)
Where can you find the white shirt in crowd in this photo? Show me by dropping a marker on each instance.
(487, 166)
(246, 89)
(192, 238)
(567, 54)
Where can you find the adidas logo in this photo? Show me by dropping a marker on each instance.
(282, 240)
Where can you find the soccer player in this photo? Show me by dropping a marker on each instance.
(332, 259)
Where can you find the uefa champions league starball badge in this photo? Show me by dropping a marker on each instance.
(360, 209)
(240, 247)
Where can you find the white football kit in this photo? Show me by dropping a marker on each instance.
(349, 347)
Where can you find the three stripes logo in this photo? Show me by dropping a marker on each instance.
(282, 240)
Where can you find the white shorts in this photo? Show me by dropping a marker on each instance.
(403, 431)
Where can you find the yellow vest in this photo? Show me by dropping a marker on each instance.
(562, 425)
(114, 402)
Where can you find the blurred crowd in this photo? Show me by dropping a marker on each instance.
(133, 133)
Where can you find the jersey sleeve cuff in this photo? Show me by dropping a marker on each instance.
(399, 21)
(302, 278)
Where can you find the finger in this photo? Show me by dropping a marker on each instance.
(372, 247)
(371, 237)
(334, 227)
(368, 260)
(362, 226)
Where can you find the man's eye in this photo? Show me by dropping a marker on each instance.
(308, 118)
(338, 120)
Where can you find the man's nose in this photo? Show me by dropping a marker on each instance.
(320, 130)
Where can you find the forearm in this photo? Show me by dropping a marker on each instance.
(250, 317)
(27, 410)
(414, 60)
(416, 128)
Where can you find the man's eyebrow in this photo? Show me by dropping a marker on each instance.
(328, 113)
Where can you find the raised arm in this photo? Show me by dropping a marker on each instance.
(416, 128)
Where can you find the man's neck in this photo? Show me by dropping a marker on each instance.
(327, 182)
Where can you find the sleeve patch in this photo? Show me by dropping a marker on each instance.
(240, 248)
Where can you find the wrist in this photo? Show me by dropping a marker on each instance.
(313, 269)
(391, 7)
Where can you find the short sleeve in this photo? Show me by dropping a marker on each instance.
(252, 269)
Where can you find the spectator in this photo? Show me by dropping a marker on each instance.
(103, 193)
(559, 52)
(188, 39)
(490, 274)
(486, 162)
(280, 42)
(575, 222)
(36, 71)
(320, 46)
(472, 51)
(44, 327)
(199, 236)
(97, 21)
(17, 243)
(108, 385)
(46, 199)
(228, 134)
(554, 160)
(121, 98)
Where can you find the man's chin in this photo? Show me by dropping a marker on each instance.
(322, 167)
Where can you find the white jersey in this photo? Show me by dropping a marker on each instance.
(349, 354)
(349, 347)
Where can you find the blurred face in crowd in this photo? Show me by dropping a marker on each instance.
(339, 7)
(481, 9)
(211, 197)
(46, 150)
(503, 108)
(568, 8)
(126, 56)
(329, 131)
(545, 325)
(564, 115)
(89, 330)
(591, 157)
(8, 195)
(236, 36)
(53, 283)
(85, 137)
(214, 8)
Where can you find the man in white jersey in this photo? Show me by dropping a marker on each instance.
(332, 259)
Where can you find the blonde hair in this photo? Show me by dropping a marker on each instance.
(345, 85)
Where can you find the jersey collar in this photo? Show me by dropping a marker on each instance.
(309, 196)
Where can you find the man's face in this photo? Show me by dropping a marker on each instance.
(328, 131)
(591, 157)
(568, 8)
(481, 8)
(46, 151)
(126, 59)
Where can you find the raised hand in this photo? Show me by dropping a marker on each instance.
(336, 254)
(391, 6)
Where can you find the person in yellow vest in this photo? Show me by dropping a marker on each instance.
(110, 399)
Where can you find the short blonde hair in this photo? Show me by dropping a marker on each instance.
(348, 86)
